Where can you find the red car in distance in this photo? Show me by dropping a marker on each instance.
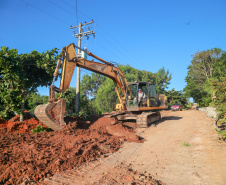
(176, 106)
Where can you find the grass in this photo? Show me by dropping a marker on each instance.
(185, 144)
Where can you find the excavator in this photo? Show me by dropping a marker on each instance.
(144, 110)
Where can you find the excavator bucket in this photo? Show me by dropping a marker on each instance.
(52, 114)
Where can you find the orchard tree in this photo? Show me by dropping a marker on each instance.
(21, 74)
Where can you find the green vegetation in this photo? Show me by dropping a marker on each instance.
(223, 134)
(21, 74)
(40, 129)
(206, 79)
(176, 97)
(221, 124)
(185, 144)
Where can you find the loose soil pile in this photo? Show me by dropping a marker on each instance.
(15, 126)
(26, 156)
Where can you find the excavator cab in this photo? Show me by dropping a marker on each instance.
(141, 95)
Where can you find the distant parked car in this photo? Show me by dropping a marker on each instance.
(176, 106)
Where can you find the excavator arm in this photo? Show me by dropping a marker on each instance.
(52, 114)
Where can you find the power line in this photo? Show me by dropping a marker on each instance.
(44, 12)
(123, 50)
(77, 11)
(72, 7)
(61, 8)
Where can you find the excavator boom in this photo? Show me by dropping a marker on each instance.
(52, 114)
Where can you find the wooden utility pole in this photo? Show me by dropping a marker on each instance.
(80, 35)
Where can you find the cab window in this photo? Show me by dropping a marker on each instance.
(131, 95)
(152, 91)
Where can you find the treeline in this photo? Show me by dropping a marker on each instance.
(206, 79)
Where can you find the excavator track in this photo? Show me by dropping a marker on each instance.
(52, 114)
(142, 120)
(146, 118)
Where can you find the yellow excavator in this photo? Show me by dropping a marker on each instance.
(138, 100)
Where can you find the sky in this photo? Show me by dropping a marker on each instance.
(145, 34)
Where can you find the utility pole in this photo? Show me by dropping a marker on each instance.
(80, 36)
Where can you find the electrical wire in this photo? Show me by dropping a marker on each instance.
(26, 3)
(61, 8)
(77, 11)
(72, 7)
(123, 51)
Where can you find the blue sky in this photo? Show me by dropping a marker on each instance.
(146, 34)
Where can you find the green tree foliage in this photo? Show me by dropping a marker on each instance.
(203, 67)
(176, 97)
(87, 106)
(34, 99)
(90, 84)
(21, 74)
(218, 85)
(206, 79)
(106, 96)
(162, 80)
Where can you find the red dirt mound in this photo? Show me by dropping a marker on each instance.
(15, 126)
(30, 157)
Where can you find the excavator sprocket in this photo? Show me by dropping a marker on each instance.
(52, 114)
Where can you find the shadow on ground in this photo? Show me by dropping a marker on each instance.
(171, 118)
(165, 118)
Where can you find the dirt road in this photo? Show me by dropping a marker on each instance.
(181, 149)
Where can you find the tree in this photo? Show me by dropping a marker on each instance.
(162, 80)
(106, 96)
(86, 105)
(21, 74)
(90, 84)
(176, 97)
(217, 85)
(202, 68)
(34, 99)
